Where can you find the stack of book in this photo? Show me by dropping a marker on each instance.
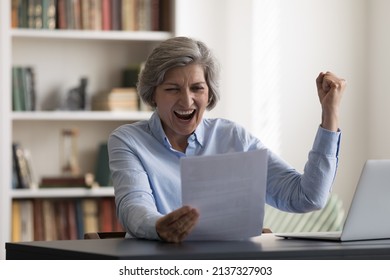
(118, 99)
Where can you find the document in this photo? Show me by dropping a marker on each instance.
(229, 192)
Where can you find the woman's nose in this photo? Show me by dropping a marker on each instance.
(186, 98)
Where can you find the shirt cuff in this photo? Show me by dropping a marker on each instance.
(149, 228)
(327, 142)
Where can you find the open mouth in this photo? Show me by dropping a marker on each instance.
(185, 115)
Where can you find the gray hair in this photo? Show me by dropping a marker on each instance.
(176, 52)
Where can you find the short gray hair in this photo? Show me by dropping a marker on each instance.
(176, 52)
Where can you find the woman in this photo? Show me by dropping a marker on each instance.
(180, 81)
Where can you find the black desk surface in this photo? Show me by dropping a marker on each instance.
(266, 246)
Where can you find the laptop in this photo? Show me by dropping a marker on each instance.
(368, 216)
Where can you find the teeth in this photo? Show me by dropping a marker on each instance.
(184, 113)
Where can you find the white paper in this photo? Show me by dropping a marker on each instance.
(229, 192)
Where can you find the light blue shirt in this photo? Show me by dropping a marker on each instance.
(145, 170)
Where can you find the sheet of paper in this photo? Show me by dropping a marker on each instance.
(229, 192)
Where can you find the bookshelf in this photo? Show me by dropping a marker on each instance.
(59, 58)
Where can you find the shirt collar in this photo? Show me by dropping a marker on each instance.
(158, 131)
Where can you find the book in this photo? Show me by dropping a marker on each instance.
(30, 13)
(106, 14)
(144, 14)
(49, 221)
(85, 15)
(27, 220)
(15, 13)
(49, 14)
(74, 14)
(116, 14)
(37, 14)
(165, 17)
(62, 22)
(29, 86)
(102, 169)
(129, 15)
(90, 215)
(16, 221)
(39, 233)
(106, 223)
(84, 181)
(23, 16)
(71, 219)
(23, 88)
(79, 218)
(61, 226)
(95, 14)
(155, 15)
(22, 168)
(17, 92)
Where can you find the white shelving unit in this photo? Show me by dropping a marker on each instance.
(79, 116)
(60, 58)
(62, 193)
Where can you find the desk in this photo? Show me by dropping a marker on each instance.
(266, 246)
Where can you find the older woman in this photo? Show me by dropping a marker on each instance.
(180, 81)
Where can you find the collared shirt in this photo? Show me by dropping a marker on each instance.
(145, 170)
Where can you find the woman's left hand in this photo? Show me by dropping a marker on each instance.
(330, 90)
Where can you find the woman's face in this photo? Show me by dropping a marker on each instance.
(181, 101)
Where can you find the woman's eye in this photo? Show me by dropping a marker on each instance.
(171, 89)
(197, 88)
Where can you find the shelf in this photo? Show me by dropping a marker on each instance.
(80, 116)
(91, 35)
(62, 193)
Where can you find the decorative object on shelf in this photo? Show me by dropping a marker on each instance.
(69, 152)
(76, 97)
(130, 76)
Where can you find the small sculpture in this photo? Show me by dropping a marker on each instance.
(76, 97)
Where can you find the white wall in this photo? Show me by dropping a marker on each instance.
(271, 51)
(318, 36)
(378, 95)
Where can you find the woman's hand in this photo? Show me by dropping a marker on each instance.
(175, 226)
(330, 90)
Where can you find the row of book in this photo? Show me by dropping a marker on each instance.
(129, 15)
(23, 88)
(62, 219)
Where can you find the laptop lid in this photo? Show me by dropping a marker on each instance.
(369, 210)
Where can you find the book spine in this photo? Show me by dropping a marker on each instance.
(106, 14)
